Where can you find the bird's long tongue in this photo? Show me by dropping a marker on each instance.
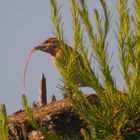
(26, 64)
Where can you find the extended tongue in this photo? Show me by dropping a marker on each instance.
(26, 64)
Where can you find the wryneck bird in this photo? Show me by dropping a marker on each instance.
(52, 47)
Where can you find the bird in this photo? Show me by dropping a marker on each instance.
(59, 58)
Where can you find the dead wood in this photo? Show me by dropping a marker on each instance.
(57, 116)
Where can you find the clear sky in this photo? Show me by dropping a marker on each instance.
(23, 25)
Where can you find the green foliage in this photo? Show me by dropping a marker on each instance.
(3, 123)
(98, 43)
(115, 116)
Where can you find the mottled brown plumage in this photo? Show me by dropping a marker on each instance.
(52, 47)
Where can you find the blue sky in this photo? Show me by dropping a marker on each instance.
(23, 25)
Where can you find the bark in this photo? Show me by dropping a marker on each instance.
(57, 116)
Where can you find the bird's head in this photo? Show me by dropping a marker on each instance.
(50, 46)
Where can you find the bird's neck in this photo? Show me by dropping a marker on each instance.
(57, 53)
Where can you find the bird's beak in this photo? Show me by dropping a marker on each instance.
(41, 47)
